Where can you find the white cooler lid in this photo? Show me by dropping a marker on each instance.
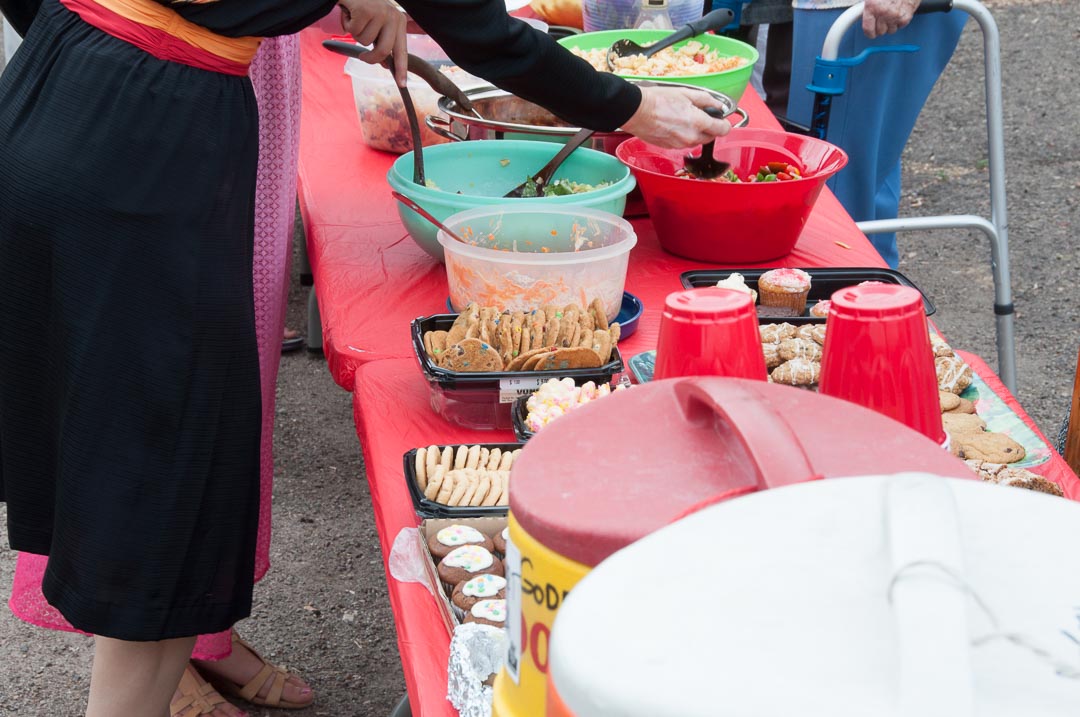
(897, 595)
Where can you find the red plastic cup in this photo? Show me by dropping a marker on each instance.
(709, 332)
(877, 354)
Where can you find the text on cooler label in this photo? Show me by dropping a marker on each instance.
(512, 563)
(511, 388)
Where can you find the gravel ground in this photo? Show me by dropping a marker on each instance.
(323, 610)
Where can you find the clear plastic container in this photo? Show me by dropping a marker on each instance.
(383, 122)
(484, 400)
(519, 258)
(622, 14)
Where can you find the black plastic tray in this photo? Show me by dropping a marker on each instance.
(430, 509)
(824, 283)
(490, 379)
(519, 413)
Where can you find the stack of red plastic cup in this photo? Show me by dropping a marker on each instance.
(709, 332)
(877, 354)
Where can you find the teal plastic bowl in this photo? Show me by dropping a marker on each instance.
(483, 171)
(730, 82)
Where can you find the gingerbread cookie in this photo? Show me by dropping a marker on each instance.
(472, 355)
(775, 333)
(939, 347)
(1015, 477)
(953, 374)
(812, 332)
(772, 355)
(799, 348)
(992, 447)
(797, 372)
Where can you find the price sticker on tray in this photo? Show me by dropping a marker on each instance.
(511, 388)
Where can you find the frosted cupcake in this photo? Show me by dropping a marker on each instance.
(784, 289)
(821, 309)
(488, 612)
(482, 587)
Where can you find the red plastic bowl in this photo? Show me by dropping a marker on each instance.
(733, 223)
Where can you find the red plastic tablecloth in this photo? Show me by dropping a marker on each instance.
(372, 280)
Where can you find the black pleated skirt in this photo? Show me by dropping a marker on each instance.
(129, 377)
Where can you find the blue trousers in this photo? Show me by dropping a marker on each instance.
(874, 117)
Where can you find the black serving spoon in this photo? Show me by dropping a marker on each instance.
(538, 181)
(721, 17)
(705, 166)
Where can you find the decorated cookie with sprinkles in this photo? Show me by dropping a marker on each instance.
(442, 542)
(471, 355)
(467, 562)
(488, 612)
(482, 587)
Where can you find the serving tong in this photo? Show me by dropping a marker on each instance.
(425, 71)
(715, 20)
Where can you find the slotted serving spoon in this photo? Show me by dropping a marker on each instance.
(705, 166)
(721, 17)
(534, 185)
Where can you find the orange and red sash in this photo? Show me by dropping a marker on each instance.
(166, 35)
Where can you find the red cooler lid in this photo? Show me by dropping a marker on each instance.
(622, 467)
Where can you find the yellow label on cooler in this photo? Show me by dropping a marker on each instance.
(538, 580)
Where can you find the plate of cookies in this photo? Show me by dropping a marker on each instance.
(785, 294)
(479, 361)
(460, 480)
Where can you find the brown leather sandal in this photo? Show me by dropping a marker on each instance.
(250, 691)
(197, 696)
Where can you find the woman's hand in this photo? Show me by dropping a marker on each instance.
(884, 17)
(673, 117)
(380, 24)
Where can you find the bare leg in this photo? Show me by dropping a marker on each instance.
(136, 679)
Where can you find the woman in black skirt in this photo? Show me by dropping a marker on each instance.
(129, 387)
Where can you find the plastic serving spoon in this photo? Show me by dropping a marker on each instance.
(705, 166)
(425, 214)
(715, 20)
(539, 180)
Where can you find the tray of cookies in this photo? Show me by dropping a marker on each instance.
(787, 294)
(465, 567)
(477, 362)
(460, 480)
(981, 426)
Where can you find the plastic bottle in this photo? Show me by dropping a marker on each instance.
(653, 15)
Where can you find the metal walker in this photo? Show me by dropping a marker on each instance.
(829, 80)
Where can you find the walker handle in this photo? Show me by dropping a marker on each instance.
(929, 6)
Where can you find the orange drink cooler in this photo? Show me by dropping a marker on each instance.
(618, 469)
